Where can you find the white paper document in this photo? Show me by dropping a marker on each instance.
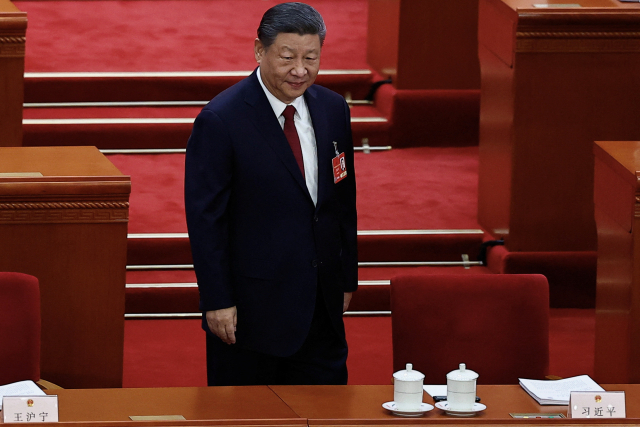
(557, 392)
(21, 388)
(435, 390)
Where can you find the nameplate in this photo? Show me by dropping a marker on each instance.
(539, 415)
(597, 404)
(30, 409)
(20, 175)
(157, 418)
(555, 6)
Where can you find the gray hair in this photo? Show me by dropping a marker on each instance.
(294, 17)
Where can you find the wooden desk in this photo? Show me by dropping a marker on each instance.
(361, 405)
(13, 29)
(617, 202)
(68, 228)
(302, 406)
(553, 80)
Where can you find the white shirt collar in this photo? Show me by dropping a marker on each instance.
(279, 106)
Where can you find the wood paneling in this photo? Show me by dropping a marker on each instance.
(553, 81)
(617, 206)
(13, 27)
(424, 44)
(68, 228)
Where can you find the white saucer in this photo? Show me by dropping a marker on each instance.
(391, 406)
(477, 407)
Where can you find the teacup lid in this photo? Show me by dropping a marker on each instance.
(409, 374)
(462, 374)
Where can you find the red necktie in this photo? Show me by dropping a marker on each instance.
(292, 135)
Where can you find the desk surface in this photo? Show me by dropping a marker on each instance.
(193, 403)
(299, 405)
(622, 156)
(355, 404)
(85, 162)
(293, 404)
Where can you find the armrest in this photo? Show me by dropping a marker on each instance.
(46, 385)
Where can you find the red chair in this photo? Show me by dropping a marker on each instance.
(20, 329)
(497, 324)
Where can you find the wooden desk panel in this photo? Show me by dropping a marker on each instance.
(68, 228)
(617, 352)
(13, 28)
(553, 81)
(425, 44)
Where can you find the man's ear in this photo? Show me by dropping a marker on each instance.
(258, 50)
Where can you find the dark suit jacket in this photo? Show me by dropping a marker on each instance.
(258, 241)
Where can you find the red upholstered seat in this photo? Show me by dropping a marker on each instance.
(19, 328)
(497, 324)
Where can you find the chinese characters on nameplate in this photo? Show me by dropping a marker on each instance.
(589, 404)
(30, 409)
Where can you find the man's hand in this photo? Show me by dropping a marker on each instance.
(347, 300)
(223, 323)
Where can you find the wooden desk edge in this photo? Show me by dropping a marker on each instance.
(275, 422)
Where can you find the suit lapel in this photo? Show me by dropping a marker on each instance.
(268, 126)
(324, 147)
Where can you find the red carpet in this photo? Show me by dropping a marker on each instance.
(164, 353)
(170, 353)
(418, 188)
(410, 188)
(195, 35)
(144, 112)
(148, 127)
(157, 192)
(572, 342)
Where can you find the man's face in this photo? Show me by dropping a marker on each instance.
(290, 65)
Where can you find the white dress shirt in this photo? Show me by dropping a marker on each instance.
(302, 120)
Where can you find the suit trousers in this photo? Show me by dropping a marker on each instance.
(322, 359)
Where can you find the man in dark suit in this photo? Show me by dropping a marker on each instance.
(272, 215)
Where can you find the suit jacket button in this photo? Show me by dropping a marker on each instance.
(315, 218)
(314, 263)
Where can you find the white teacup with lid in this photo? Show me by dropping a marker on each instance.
(461, 389)
(407, 389)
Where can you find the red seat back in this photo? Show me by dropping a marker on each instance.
(19, 328)
(498, 324)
